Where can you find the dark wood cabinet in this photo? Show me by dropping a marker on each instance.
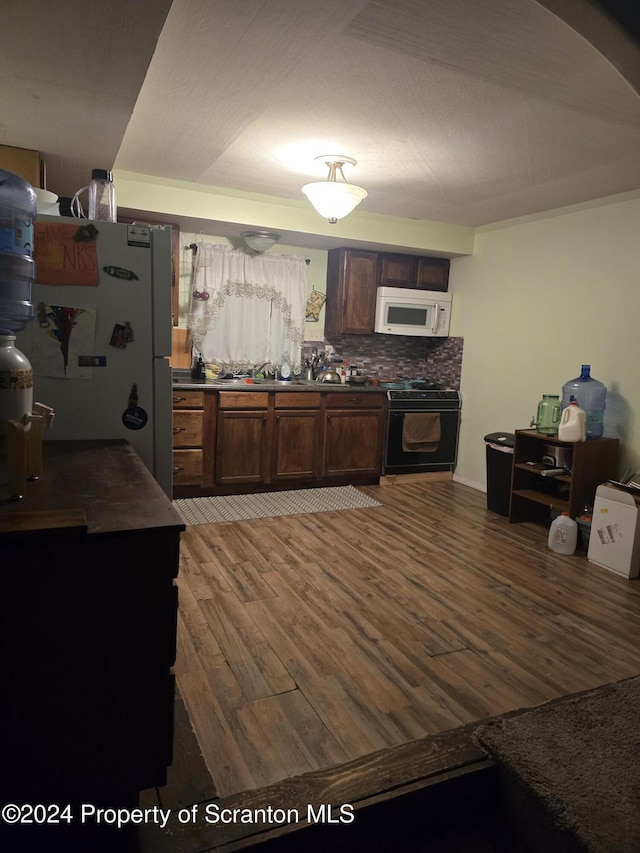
(353, 277)
(533, 495)
(353, 435)
(88, 625)
(188, 418)
(414, 271)
(254, 440)
(243, 438)
(433, 274)
(398, 270)
(296, 437)
(352, 280)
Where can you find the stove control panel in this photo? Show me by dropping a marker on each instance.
(414, 394)
(424, 401)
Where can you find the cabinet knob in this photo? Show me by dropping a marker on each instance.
(176, 430)
(177, 470)
(179, 399)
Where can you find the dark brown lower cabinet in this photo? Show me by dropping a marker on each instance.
(242, 451)
(286, 439)
(296, 442)
(352, 441)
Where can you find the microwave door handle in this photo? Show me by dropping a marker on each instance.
(436, 319)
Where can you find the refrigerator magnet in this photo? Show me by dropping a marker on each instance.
(120, 272)
(119, 336)
(134, 416)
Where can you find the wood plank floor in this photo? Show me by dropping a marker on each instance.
(306, 642)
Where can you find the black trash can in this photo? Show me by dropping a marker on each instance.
(499, 464)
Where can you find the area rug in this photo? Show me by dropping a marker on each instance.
(580, 758)
(271, 504)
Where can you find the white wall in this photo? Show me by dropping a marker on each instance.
(538, 298)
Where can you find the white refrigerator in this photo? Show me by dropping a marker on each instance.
(90, 343)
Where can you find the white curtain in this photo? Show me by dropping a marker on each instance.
(247, 310)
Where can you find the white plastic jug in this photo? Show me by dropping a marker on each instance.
(573, 424)
(563, 534)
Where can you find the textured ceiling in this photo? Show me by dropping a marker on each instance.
(460, 111)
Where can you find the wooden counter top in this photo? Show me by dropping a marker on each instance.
(103, 485)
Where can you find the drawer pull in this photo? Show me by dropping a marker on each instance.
(177, 470)
(179, 399)
(176, 430)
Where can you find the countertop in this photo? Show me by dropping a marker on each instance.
(182, 383)
(92, 486)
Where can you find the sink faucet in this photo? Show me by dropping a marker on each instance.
(254, 372)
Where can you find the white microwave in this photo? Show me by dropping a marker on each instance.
(404, 311)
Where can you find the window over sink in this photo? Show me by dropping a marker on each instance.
(247, 310)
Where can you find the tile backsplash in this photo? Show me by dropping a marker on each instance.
(394, 356)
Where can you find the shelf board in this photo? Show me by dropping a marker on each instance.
(538, 467)
(542, 498)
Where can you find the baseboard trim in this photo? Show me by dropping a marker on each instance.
(480, 487)
(423, 477)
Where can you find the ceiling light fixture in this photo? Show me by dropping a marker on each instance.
(334, 199)
(260, 241)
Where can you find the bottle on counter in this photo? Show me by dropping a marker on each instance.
(16, 383)
(198, 370)
(591, 396)
(285, 367)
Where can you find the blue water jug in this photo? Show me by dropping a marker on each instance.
(591, 396)
(18, 206)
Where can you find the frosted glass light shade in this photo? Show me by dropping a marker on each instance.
(332, 199)
(260, 241)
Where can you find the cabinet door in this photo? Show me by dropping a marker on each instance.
(352, 280)
(398, 270)
(353, 442)
(296, 443)
(242, 447)
(433, 274)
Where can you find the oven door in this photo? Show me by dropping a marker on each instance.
(397, 461)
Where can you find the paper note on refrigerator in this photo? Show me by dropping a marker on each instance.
(61, 335)
(66, 254)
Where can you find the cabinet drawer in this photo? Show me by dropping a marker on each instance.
(187, 467)
(243, 399)
(362, 400)
(188, 399)
(298, 400)
(187, 429)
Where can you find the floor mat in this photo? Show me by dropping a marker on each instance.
(271, 504)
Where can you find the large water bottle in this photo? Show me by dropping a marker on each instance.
(591, 396)
(18, 205)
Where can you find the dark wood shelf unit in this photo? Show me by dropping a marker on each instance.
(533, 495)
